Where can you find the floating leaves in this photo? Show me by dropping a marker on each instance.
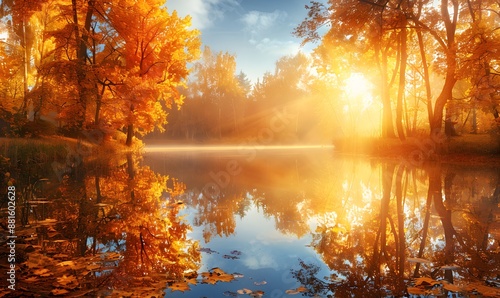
(42, 272)
(296, 291)
(246, 291)
(180, 286)
(234, 254)
(238, 275)
(215, 275)
(427, 286)
(229, 257)
(68, 282)
(59, 292)
(207, 250)
(426, 281)
(484, 290)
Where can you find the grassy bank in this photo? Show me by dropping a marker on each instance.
(30, 158)
(483, 148)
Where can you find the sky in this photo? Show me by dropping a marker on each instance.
(257, 32)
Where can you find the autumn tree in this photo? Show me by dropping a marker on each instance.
(218, 88)
(360, 27)
(106, 65)
(480, 60)
(156, 47)
(284, 90)
(17, 68)
(383, 28)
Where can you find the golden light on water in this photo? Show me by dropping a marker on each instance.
(245, 148)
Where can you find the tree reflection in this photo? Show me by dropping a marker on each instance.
(377, 258)
(109, 232)
(383, 228)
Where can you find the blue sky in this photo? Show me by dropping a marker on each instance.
(257, 32)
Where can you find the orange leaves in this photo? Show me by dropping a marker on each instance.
(105, 63)
(298, 290)
(215, 275)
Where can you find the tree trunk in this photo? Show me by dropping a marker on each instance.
(130, 135)
(451, 65)
(387, 125)
(402, 83)
(426, 78)
(81, 38)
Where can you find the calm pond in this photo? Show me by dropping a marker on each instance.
(243, 222)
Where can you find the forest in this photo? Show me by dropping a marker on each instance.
(83, 83)
(391, 68)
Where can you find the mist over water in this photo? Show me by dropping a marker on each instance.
(221, 148)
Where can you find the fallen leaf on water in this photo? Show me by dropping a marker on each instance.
(215, 275)
(302, 289)
(41, 271)
(257, 293)
(67, 263)
(230, 257)
(238, 275)
(296, 291)
(69, 282)
(425, 281)
(259, 283)
(180, 286)
(31, 279)
(416, 291)
(207, 250)
(484, 290)
(93, 267)
(230, 294)
(244, 291)
(451, 287)
(57, 292)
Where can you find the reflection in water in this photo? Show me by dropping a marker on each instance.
(107, 231)
(274, 222)
(380, 227)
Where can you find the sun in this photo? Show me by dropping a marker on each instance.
(359, 90)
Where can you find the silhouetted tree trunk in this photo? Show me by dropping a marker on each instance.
(401, 243)
(402, 81)
(444, 214)
(379, 247)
